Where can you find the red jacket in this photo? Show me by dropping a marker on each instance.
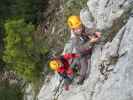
(65, 68)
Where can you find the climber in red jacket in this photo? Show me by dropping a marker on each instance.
(62, 67)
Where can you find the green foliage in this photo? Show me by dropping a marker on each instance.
(74, 6)
(20, 53)
(30, 10)
(10, 92)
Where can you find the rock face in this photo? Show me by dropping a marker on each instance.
(47, 91)
(111, 69)
(116, 81)
(106, 12)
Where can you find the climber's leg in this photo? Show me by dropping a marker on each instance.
(67, 82)
(83, 69)
(88, 69)
(85, 65)
(66, 86)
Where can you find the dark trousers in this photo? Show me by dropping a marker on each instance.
(83, 62)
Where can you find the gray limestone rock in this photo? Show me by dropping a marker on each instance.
(106, 12)
(111, 71)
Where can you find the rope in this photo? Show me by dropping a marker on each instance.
(58, 92)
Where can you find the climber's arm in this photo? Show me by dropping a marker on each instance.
(95, 38)
(71, 55)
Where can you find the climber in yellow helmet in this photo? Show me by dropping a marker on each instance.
(54, 64)
(61, 65)
(83, 36)
(75, 24)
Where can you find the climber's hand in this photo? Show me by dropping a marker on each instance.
(93, 39)
(98, 34)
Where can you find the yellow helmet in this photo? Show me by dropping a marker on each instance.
(54, 64)
(74, 22)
